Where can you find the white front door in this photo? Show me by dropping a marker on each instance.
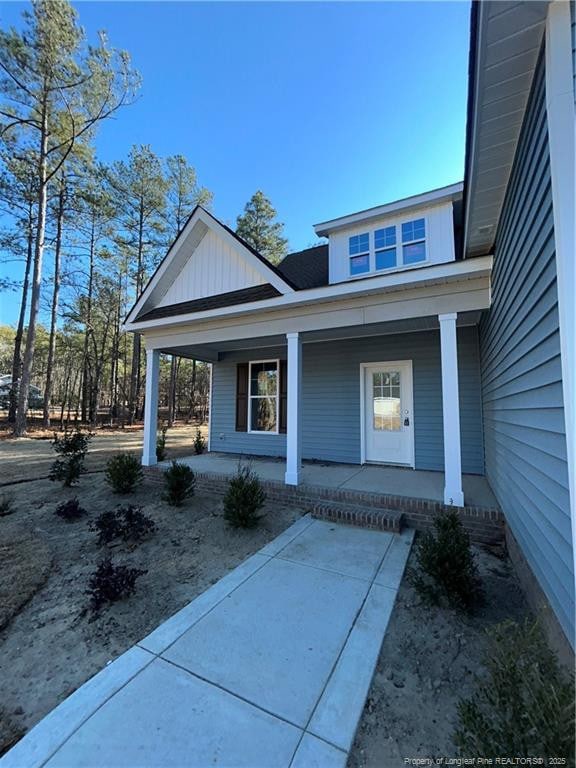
(388, 412)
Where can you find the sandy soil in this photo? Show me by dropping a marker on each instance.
(428, 662)
(50, 646)
(27, 458)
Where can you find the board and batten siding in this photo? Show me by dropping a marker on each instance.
(214, 268)
(524, 431)
(331, 399)
(439, 240)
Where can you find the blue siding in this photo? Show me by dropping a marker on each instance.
(331, 399)
(525, 444)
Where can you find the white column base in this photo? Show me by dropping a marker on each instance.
(292, 478)
(453, 497)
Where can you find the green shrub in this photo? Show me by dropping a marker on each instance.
(161, 444)
(6, 504)
(127, 523)
(70, 510)
(244, 498)
(199, 443)
(524, 707)
(110, 583)
(179, 482)
(124, 473)
(71, 448)
(446, 572)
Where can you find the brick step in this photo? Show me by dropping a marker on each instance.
(365, 517)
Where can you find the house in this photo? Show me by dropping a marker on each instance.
(432, 333)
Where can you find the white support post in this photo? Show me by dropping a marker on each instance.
(151, 407)
(451, 411)
(294, 415)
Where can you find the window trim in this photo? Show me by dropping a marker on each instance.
(249, 430)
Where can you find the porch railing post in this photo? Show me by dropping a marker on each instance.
(451, 411)
(294, 410)
(151, 407)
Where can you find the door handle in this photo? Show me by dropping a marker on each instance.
(406, 422)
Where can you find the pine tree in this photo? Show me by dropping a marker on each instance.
(258, 227)
(55, 89)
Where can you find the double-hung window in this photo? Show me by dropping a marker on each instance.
(385, 247)
(359, 253)
(414, 241)
(263, 396)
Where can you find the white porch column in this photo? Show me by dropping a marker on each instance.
(294, 415)
(451, 411)
(151, 407)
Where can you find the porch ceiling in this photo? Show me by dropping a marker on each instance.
(212, 352)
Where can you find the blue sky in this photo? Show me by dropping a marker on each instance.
(329, 108)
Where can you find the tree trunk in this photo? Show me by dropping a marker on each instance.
(172, 391)
(20, 425)
(17, 356)
(88, 329)
(55, 297)
(136, 349)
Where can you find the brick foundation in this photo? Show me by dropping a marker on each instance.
(485, 525)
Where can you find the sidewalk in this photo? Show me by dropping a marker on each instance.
(269, 667)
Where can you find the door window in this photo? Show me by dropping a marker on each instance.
(386, 405)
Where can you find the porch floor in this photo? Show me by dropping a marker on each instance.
(394, 481)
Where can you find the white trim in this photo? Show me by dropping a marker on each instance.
(451, 192)
(459, 297)
(250, 397)
(210, 386)
(383, 284)
(386, 363)
(149, 457)
(210, 222)
(294, 409)
(561, 141)
(453, 494)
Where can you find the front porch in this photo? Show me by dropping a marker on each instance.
(384, 498)
(386, 481)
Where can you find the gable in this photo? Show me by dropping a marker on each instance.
(213, 268)
(207, 260)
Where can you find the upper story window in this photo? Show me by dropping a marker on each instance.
(359, 252)
(385, 247)
(393, 247)
(414, 241)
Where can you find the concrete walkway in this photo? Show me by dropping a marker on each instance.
(268, 668)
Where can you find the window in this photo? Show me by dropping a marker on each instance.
(386, 401)
(385, 247)
(359, 252)
(414, 241)
(263, 399)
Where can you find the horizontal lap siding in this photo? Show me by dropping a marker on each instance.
(331, 399)
(524, 432)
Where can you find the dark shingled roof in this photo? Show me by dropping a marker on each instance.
(245, 295)
(306, 269)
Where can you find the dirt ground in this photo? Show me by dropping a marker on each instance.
(50, 647)
(428, 662)
(30, 457)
